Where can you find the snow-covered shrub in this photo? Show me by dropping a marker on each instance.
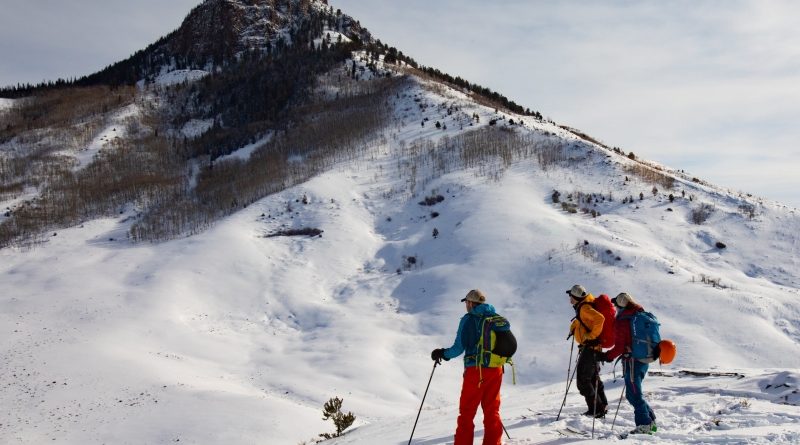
(701, 213)
(748, 210)
(431, 200)
(569, 207)
(596, 252)
(410, 262)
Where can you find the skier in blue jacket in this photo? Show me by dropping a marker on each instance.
(481, 385)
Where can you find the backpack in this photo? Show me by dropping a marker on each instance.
(645, 336)
(496, 343)
(603, 305)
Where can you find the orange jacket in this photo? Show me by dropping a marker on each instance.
(592, 324)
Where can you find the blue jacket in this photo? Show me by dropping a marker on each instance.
(469, 332)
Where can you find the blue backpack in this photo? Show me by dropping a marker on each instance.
(645, 336)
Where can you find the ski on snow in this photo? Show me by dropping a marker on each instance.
(570, 431)
(574, 432)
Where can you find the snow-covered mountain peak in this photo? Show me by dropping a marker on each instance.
(210, 257)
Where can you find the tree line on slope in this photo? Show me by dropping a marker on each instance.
(149, 170)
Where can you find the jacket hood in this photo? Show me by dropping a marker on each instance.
(483, 309)
(631, 309)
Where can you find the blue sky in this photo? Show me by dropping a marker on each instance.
(711, 87)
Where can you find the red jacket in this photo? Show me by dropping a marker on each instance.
(622, 332)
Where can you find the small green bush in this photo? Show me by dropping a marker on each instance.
(333, 410)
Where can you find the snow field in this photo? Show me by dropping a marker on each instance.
(233, 337)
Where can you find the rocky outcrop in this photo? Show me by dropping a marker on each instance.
(217, 30)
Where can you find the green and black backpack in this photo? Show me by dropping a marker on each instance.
(496, 343)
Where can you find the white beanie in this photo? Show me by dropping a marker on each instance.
(623, 300)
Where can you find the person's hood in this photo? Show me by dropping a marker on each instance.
(631, 309)
(483, 310)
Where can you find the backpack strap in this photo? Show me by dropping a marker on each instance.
(578, 315)
(479, 359)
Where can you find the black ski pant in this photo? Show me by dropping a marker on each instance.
(588, 376)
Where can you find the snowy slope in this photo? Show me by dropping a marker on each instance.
(233, 337)
(733, 407)
(114, 129)
(6, 103)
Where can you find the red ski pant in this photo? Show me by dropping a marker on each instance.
(485, 393)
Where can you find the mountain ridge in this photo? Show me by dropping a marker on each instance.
(163, 309)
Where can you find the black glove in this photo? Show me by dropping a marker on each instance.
(437, 355)
(603, 357)
(592, 342)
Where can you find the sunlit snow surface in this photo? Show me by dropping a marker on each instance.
(233, 337)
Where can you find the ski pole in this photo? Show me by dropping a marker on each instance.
(569, 379)
(618, 404)
(620, 396)
(564, 402)
(569, 366)
(594, 404)
(504, 429)
(423, 401)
